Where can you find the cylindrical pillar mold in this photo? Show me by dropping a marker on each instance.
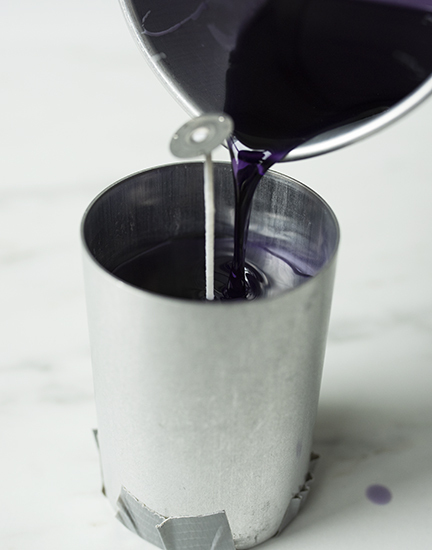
(205, 406)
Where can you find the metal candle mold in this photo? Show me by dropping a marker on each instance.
(207, 406)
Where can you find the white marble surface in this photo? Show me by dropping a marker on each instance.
(80, 109)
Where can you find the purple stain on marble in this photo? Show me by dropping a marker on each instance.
(378, 494)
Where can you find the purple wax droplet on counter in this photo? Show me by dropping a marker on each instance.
(378, 494)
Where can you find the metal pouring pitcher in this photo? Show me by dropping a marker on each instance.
(190, 43)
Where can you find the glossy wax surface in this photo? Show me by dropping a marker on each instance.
(288, 72)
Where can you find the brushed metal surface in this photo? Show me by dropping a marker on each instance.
(203, 406)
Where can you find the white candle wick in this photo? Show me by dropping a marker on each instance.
(209, 208)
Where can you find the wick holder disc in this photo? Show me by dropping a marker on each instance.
(201, 135)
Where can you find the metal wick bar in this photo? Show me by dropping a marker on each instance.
(199, 137)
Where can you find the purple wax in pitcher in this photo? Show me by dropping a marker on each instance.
(302, 67)
(298, 68)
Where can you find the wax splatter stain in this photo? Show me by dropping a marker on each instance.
(378, 494)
